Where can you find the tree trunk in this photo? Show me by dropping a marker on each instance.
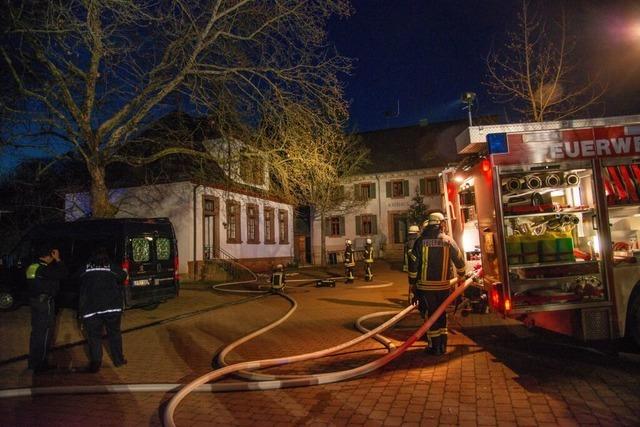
(101, 207)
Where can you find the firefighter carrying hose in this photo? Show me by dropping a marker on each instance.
(349, 261)
(368, 260)
(429, 274)
(414, 231)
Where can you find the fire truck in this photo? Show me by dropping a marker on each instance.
(552, 212)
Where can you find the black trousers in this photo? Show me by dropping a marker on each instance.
(349, 272)
(43, 316)
(94, 326)
(428, 302)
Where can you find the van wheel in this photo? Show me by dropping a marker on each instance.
(633, 321)
(150, 307)
(7, 301)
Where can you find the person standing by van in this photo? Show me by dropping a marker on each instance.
(43, 280)
(100, 305)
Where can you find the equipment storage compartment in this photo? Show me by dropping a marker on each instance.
(551, 238)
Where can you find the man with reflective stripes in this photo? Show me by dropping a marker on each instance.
(349, 261)
(43, 279)
(100, 305)
(368, 260)
(430, 270)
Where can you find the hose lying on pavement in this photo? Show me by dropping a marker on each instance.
(317, 378)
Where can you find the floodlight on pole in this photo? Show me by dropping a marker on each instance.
(467, 98)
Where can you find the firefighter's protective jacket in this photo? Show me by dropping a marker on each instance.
(349, 259)
(430, 262)
(368, 254)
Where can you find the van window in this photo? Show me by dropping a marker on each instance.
(163, 248)
(141, 249)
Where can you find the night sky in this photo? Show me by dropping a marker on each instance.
(422, 54)
(425, 53)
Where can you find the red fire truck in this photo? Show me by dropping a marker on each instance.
(555, 207)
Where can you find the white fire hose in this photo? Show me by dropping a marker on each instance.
(326, 378)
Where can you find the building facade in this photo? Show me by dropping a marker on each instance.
(403, 162)
(210, 221)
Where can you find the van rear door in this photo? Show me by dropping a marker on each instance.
(151, 268)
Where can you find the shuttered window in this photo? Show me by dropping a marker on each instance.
(429, 186)
(253, 235)
(269, 226)
(398, 188)
(334, 226)
(283, 225)
(233, 222)
(366, 225)
(365, 191)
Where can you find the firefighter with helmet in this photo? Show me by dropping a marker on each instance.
(429, 274)
(278, 278)
(349, 261)
(414, 231)
(368, 260)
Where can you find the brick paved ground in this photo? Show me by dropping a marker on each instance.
(496, 372)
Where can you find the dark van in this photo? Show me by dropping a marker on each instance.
(145, 247)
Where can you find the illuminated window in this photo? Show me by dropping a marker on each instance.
(233, 222)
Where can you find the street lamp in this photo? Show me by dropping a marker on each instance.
(468, 98)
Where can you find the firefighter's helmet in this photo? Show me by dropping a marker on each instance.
(435, 218)
(414, 229)
(347, 242)
(368, 241)
(279, 267)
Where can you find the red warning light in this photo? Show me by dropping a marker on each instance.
(486, 165)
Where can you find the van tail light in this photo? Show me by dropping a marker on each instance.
(125, 266)
(176, 265)
(507, 305)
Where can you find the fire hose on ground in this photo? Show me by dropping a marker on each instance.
(264, 382)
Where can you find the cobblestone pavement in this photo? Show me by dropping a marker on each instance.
(495, 373)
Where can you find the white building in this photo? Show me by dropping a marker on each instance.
(403, 161)
(209, 220)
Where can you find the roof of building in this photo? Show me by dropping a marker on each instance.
(413, 147)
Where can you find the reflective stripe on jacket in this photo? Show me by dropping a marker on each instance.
(430, 262)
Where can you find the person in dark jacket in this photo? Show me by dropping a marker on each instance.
(43, 280)
(100, 305)
(430, 273)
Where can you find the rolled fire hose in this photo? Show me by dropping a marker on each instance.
(572, 179)
(533, 182)
(512, 184)
(552, 180)
(318, 378)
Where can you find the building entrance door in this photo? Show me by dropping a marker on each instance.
(210, 232)
(399, 228)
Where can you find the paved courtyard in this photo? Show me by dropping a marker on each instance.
(496, 372)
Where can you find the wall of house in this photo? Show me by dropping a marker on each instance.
(384, 208)
(176, 201)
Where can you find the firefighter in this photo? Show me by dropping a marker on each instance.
(278, 278)
(368, 260)
(429, 274)
(349, 261)
(43, 279)
(414, 231)
(100, 305)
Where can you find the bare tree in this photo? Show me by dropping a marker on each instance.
(113, 66)
(311, 162)
(535, 73)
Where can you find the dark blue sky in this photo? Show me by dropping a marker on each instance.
(425, 53)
